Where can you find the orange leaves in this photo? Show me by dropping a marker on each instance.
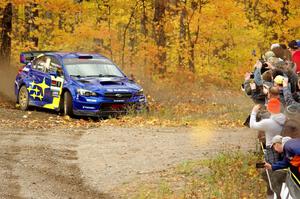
(57, 6)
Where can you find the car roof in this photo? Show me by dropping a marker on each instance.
(68, 55)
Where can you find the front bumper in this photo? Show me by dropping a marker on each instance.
(103, 106)
(112, 109)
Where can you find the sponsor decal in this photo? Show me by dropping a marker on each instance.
(55, 83)
(91, 100)
(120, 90)
(55, 93)
(88, 107)
(119, 100)
(37, 90)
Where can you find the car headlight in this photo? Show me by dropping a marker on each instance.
(86, 93)
(140, 92)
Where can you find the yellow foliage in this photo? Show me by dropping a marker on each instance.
(214, 40)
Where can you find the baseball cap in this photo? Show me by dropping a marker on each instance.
(280, 139)
(276, 139)
(275, 46)
(279, 79)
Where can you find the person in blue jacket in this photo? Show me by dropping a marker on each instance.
(291, 150)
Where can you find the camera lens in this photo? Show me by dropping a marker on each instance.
(260, 165)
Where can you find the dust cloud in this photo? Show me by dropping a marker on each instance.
(7, 78)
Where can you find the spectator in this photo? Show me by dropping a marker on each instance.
(289, 98)
(292, 125)
(278, 81)
(294, 49)
(281, 52)
(291, 150)
(288, 72)
(253, 90)
(271, 126)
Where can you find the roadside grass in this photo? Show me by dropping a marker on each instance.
(224, 109)
(228, 175)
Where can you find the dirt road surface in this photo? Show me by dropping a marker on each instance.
(92, 163)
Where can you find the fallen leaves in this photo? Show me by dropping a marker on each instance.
(210, 111)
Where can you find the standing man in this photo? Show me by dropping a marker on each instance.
(271, 126)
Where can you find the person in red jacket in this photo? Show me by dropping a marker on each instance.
(294, 49)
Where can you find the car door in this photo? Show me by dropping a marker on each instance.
(56, 78)
(40, 81)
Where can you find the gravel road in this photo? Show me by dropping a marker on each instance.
(92, 163)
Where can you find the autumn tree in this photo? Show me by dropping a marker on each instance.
(210, 39)
(6, 27)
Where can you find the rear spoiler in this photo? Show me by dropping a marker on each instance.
(26, 57)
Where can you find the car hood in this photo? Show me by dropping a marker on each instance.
(107, 84)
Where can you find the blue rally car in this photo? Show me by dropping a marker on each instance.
(76, 84)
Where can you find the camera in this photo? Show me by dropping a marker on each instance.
(264, 67)
(247, 122)
(259, 165)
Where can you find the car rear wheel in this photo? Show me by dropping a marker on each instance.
(68, 104)
(23, 98)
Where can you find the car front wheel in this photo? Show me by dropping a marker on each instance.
(68, 104)
(23, 98)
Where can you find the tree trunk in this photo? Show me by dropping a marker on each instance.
(31, 12)
(144, 19)
(6, 26)
(182, 35)
(159, 34)
(192, 58)
(131, 18)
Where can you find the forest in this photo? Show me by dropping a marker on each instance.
(190, 57)
(212, 40)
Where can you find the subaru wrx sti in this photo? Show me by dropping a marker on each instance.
(76, 84)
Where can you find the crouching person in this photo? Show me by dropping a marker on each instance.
(291, 151)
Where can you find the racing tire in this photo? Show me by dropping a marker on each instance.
(23, 98)
(68, 104)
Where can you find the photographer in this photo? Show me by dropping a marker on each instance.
(271, 126)
(256, 92)
(260, 68)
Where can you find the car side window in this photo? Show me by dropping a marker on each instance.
(39, 64)
(47, 64)
(53, 66)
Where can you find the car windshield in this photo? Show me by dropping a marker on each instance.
(91, 68)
